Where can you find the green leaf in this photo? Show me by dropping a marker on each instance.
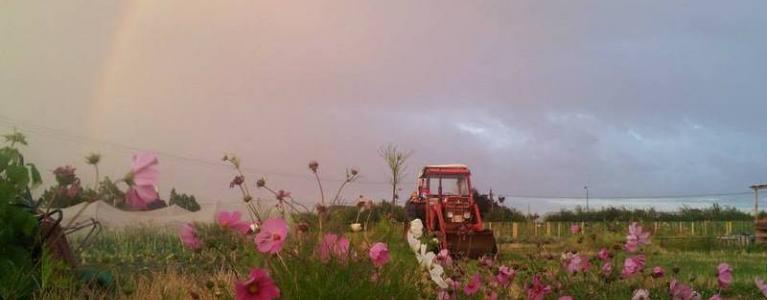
(18, 175)
(4, 160)
(36, 178)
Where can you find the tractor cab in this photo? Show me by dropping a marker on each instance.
(448, 188)
(438, 181)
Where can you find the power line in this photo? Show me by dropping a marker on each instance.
(61, 134)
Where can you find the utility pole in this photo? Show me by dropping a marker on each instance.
(586, 187)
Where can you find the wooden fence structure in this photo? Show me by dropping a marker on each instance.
(505, 231)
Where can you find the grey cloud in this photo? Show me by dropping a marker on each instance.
(538, 97)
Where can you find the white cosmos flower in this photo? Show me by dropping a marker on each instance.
(425, 259)
(641, 294)
(414, 243)
(436, 276)
(416, 228)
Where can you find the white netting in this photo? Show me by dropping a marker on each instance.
(112, 217)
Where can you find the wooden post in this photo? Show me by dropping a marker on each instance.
(729, 228)
(756, 204)
(548, 228)
(692, 228)
(559, 229)
(655, 224)
(705, 228)
(514, 229)
(583, 227)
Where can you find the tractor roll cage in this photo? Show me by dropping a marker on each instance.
(444, 171)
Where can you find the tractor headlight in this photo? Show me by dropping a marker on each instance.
(450, 215)
(467, 215)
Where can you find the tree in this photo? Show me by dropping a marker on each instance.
(395, 160)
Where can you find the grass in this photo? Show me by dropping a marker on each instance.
(151, 263)
(696, 266)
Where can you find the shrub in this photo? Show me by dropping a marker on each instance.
(184, 201)
(20, 246)
(623, 214)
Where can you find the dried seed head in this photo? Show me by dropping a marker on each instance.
(261, 182)
(93, 158)
(314, 165)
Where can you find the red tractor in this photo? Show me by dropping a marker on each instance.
(444, 202)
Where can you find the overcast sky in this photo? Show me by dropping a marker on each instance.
(538, 97)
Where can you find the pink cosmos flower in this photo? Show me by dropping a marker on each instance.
(141, 180)
(445, 295)
(724, 275)
(575, 228)
(536, 290)
(505, 275)
(486, 261)
(333, 246)
(680, 291)
(761, 285)
(633, 265)
(607, 268)
(272, 236)
(65, 175)
(657, 272)
(566, 298)
(443, 258)
(491, 295)
(375, 276)
(189, 237)
(576, 263)
(379, 254)
(641, 294)
(715, 297)
(473, 286)
(231, 220)
(636, 237)
(259, 286)
(604, 254)
(73, 189)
